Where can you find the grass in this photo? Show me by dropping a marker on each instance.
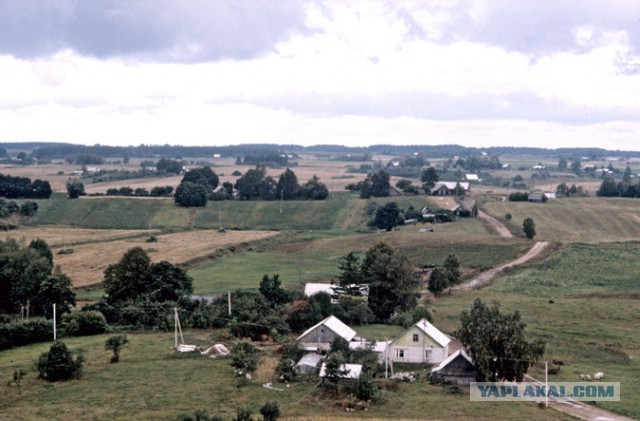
(152, 382)
(587, 220)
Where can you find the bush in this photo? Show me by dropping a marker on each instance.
(24, 333)
(83, 323)
(59, 363)
(270, 411)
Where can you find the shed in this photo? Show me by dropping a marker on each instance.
(308, 364)
(320, 336)
(353, 372)
(379, 347)
(457, 369)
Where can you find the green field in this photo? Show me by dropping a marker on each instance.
(586, 220)
(152, 382)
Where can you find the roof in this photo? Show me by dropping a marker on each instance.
(333, 323)
(354, 371)
(310, 360)
(449, 359)
(451, 185)
(433, 332)
(312, 289)
(379, 346)
(472, 177)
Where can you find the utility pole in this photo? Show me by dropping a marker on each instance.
(546, 383)
(54, 323)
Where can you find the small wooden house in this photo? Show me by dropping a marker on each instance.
(318, 338)
(458, 369)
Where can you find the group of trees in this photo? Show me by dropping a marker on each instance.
(375, 185)
(623, 188)
(22, 188)
(157, 191)
(29, 283)
(10, 207)
(445, 276)
(563, 190)
(256, 184)
(196, 187)
(273, 159)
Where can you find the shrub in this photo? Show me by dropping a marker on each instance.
(270, 411)
(83, 323)
(24, 333)
(59, 363)
(243, 414)
(115, 344)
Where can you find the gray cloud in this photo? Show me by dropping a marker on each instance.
(543, 26)
(172, 30)
(523, 105)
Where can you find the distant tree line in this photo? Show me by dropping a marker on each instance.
(265, 159)
(157, 191)
(22, 188)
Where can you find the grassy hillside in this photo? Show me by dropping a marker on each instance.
(340, 211)
(586, 220)
(152, 382)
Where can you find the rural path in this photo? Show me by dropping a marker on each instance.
(579, 409)
(498, 226)
(485, 277)
(357, 205)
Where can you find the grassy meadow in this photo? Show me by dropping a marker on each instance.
(153, 382)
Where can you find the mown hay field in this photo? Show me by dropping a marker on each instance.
(94, 250)
(585, 220)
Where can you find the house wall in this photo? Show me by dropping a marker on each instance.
(415, 352)
(321, 336)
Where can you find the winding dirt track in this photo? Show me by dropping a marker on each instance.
(485, 277)
(495, 224)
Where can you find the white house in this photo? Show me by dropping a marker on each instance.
(320, 336)
(421, 343)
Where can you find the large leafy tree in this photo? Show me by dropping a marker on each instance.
(55, 289)
(272, 291)
(429, 177)
(388, 216)
(314, 189)
(452, 268)
(128, 278)
(497, 343)
(288, 186)
(75, 188)
(134, 277)
(438, 281)
(190, 194)
(393, 285)
(203, 176)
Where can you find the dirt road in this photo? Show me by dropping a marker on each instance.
(578, 409)
(486, 276)
(495, 224)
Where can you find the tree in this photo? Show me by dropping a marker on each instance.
(167, 282)
(388, 216)
(203, 176)
(393, 285)
(497, 343)
(314, 190)
(529, 228)
(244, 357)
(75, 188)
(608, 188)
(334, 370)
(288, 186)
(270, 411)
(166, 165)
(28, 208)
(190, 194)
(429, 177)
(42, 248)
(59, 363)
(452, 269)
(438, 281)
(272, 291)
(56, 289)
(115, 344)
(562, 163)
(350, 271)
(380, 184)
(128, 278)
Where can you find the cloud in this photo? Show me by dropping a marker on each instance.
(162, 30)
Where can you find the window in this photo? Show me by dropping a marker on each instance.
(415, 337)
(400, 353)
(427, 354)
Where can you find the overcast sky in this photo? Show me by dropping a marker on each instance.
(545, 73)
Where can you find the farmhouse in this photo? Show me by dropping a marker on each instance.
(449, 188)
(457, 369)
(421, 343)
(318, 338)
